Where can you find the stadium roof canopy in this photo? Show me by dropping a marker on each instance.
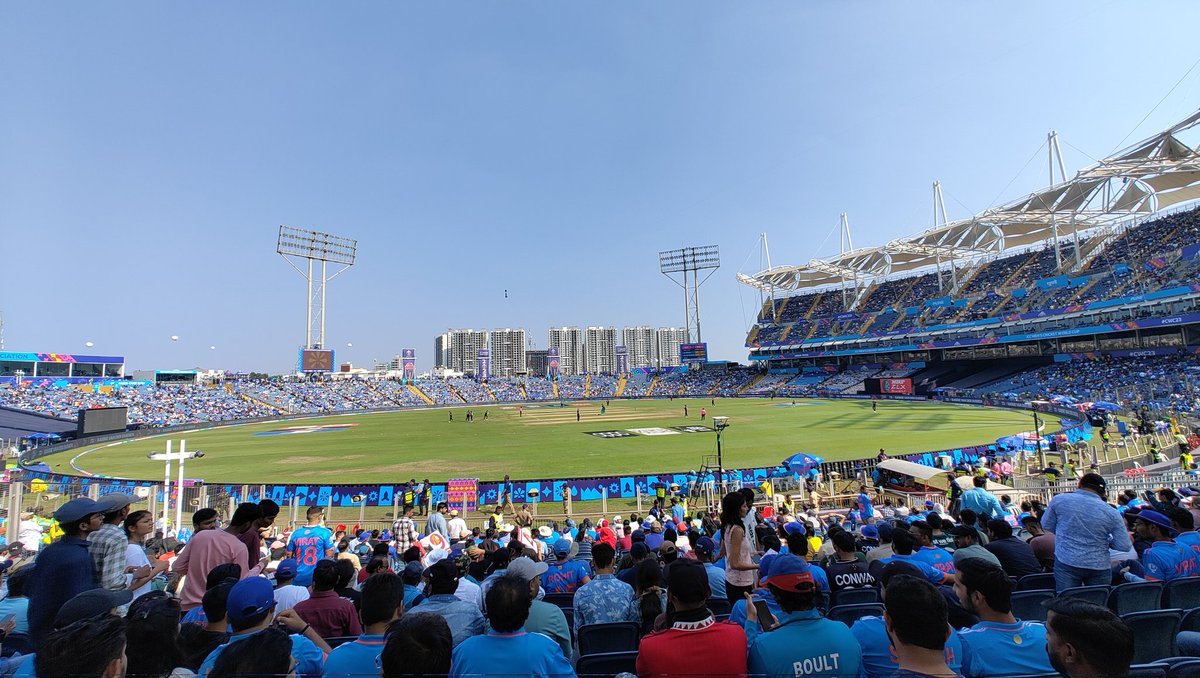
(1141, 179)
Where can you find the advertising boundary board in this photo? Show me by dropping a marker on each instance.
(582, 488)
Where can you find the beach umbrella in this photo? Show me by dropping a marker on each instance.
(1105, 405)
(802, 462)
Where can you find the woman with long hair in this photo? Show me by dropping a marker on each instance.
(152, 636)
(138, 525)
(740, 570)
(649, 598)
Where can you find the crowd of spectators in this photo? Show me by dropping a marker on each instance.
(747, 587)
(1171, 382)
(151, 405)
(602, 386)
(573, 387)
(471, 391)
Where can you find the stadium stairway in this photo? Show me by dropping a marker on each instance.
(264, 403)
(587, 386)
(455, 392)
(555, 385)
(620, 389)
(491, 392)
(420, 394)
(524, 393)
(753, 381)
(650, 388)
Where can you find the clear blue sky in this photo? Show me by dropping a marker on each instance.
(148, 152)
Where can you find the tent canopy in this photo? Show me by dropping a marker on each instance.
(919, 471)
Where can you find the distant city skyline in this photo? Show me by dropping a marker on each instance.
(511, 165)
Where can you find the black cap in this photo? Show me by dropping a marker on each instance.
(687, 580)
(1094, 481)
(89, 604)
(964, 531)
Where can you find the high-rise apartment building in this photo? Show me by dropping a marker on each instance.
(639, 342)
(508, 352)
(666, 345)
(457, 349)
(569, 343)
(600, 350)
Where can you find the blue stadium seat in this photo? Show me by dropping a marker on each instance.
(1092, 594)
(719, 606)
(1153, 634)
(607, 664)
(608, 638)
(857, 596)
(562, 600)
(1139, 596)
(848, 614)
(1035, 582)
(1028, 605)
(1182, 593)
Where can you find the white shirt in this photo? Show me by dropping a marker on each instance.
(286, 597)
(135, 556)
(458, 529)
(467, 590)
(30, 535)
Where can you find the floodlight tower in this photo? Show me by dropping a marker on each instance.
(312, 246)
(689, 262)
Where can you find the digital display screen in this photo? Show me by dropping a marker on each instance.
(316, 360)
(693, 353)
(102, 420)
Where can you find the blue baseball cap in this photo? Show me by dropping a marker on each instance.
(249, 597)
(869, 531)
(286, 568)
(76, 509)
(706, 545)
(764, 565)
(1156, 518)
(794, 527)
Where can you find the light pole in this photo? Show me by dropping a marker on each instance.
(181, 456)
(1037, 431)
(720, 423)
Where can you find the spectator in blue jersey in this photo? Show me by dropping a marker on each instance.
(310, 544)
(1184, 523)
(249, 607)
(678, 510)
(915, 619)
(418, 644)
(878, 660)
(1085, 640)
(705, 550)
(507, 646)
(1084, 529)
(979, 500)
(799, 640)
(1000, 644)
(564, 574)
(1166, 559)
(903, 544)
(927, 552)
(863, 503)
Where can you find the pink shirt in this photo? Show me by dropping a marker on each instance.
(206, 550)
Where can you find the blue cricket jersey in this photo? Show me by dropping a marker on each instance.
(308, 545)
(357, 658)
(879, 659)
(1167, 560)
(1189, 539)
(936, 557)
(933, 574)
(996, 649)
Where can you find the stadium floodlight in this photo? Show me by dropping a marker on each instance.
(688, 262)
(314, 246)
(181, 456)
(720, 424)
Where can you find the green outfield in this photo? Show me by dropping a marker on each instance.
(544, 440)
